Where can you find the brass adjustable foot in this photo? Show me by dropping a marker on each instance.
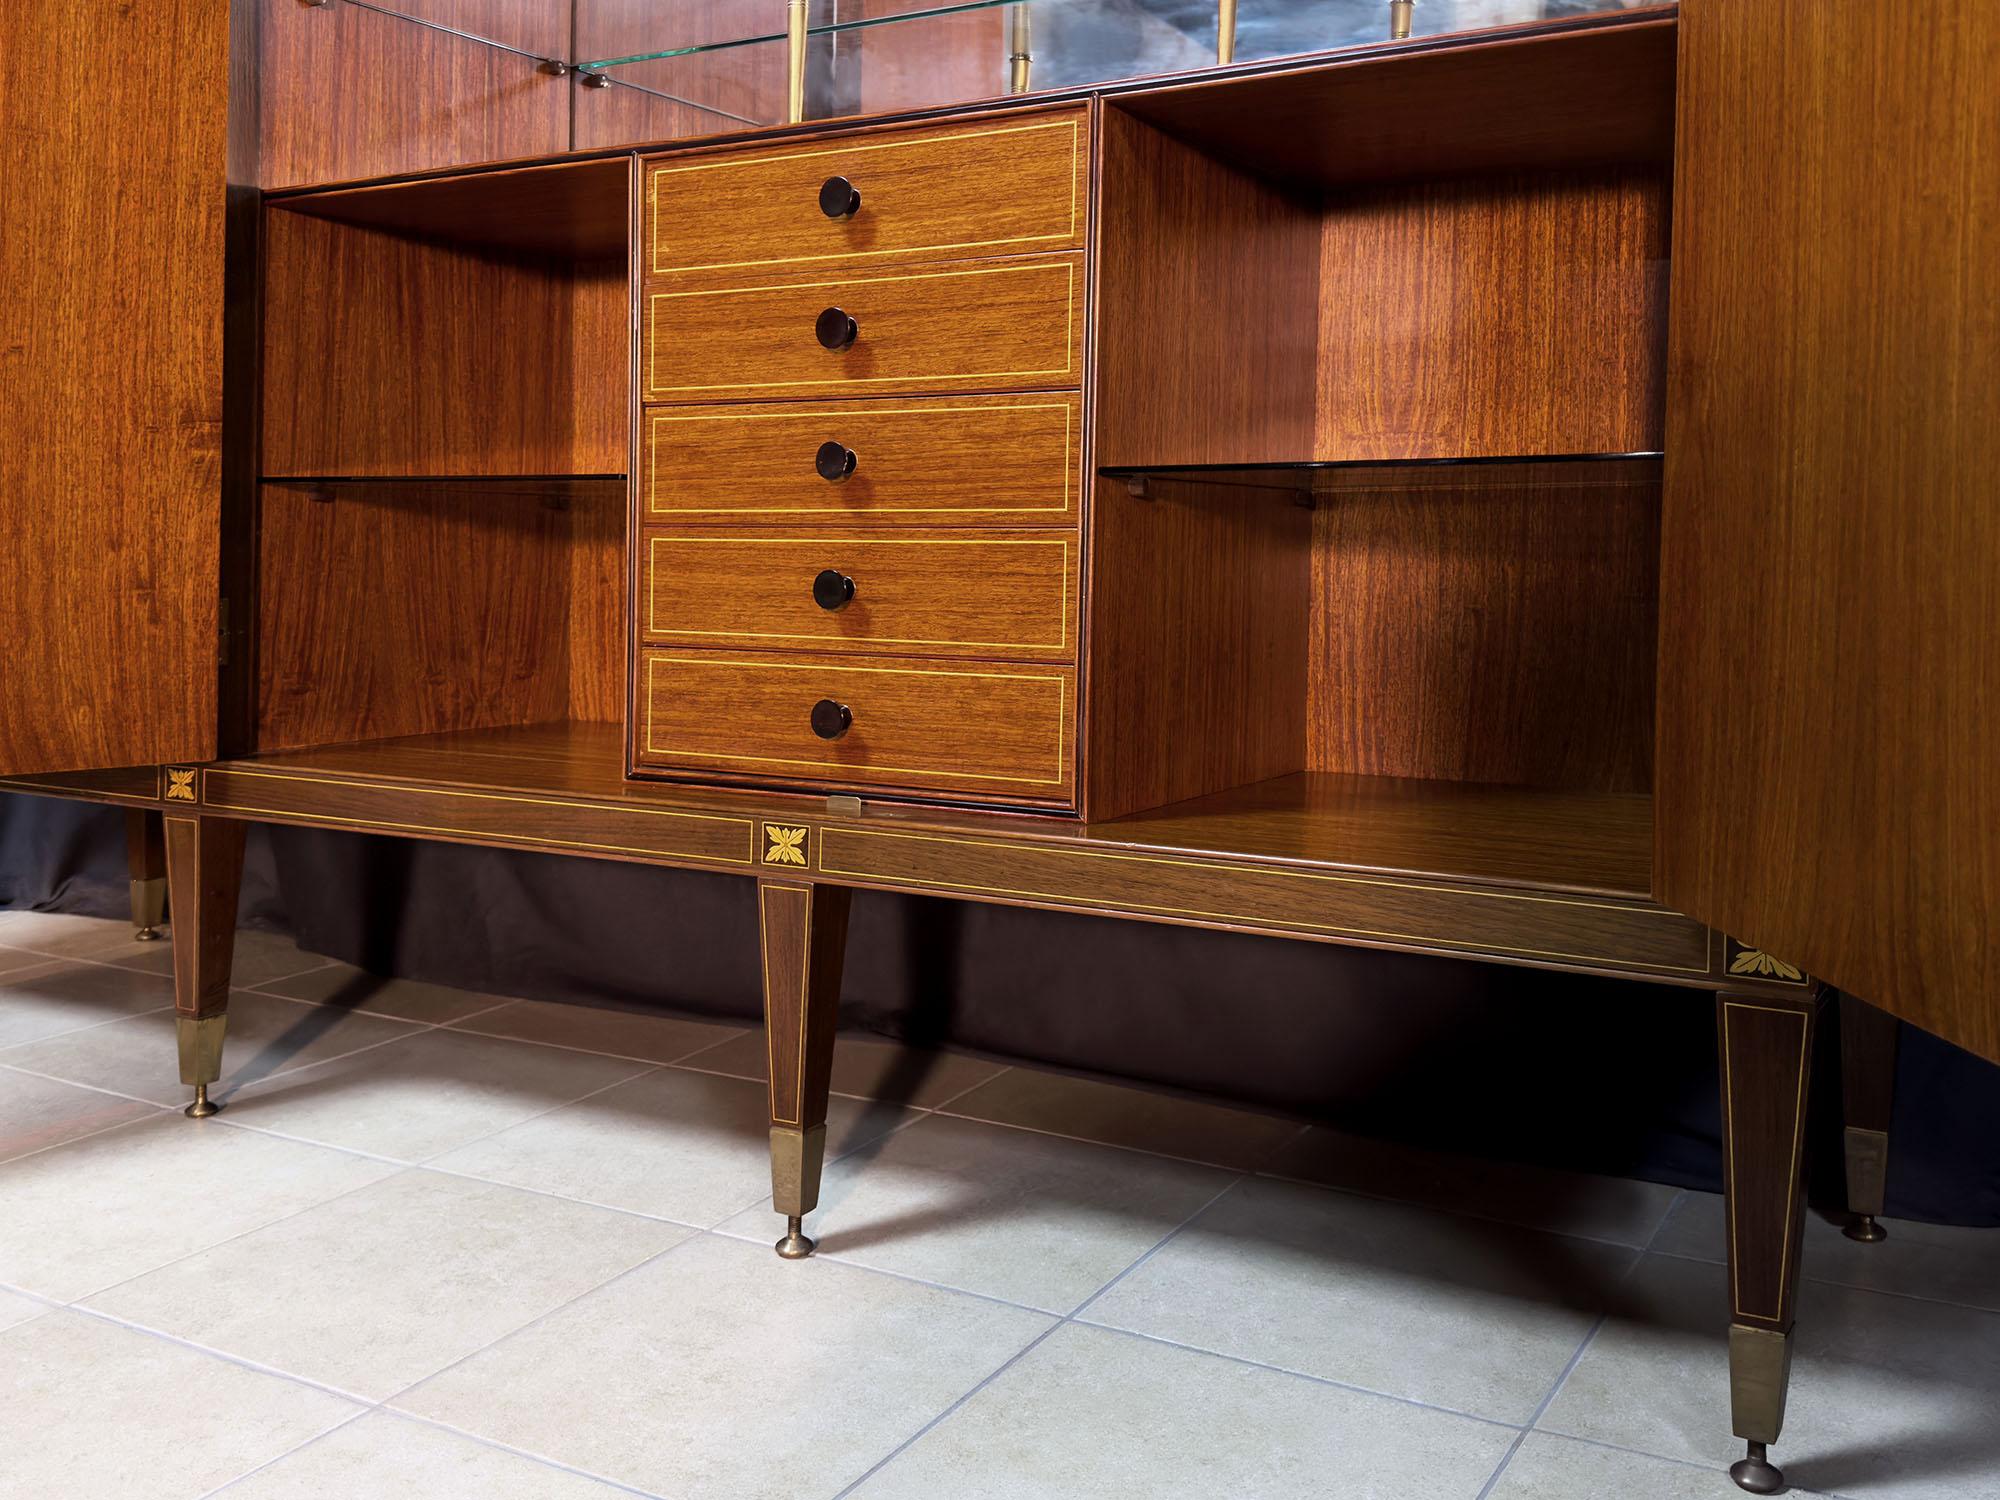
(201, 1059)
(149, 908)
(1756, 1473)
(1863, 1227)
(795, 1245)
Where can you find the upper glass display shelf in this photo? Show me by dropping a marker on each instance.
(768, 61)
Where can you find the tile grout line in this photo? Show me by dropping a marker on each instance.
(1548, 1400)
(400, 1415)
(1046, 1334)
(539, 1318)
(279, 1458)
(1322, 1380)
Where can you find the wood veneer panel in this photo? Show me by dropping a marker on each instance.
(1512, 314)
(1580, 95)
(930, 193)
(598, 625)
(932, 460)
(392, 356)
(1198, 619)
(571, 211)
(1008, 324)
(1427, 866)
(349, 92)
(1207, 287)
(112, 253)
(987, 731)
(1830, 653)
(1487, 627)
(408, 609)
(982, 594)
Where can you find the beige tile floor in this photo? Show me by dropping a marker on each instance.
(451, 1245)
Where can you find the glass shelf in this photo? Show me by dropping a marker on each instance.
(880, 56)
(1329, 476)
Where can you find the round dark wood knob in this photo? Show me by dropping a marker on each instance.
(835, 461)
(839, 198)
(830, 719)
(833, 589)
(835, 330)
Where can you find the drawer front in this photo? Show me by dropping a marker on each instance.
(992, 733)
(999, 325)
(1010, 595)
(968, 460)
(996, 187)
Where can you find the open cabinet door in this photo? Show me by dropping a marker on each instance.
(1828, 778)
(114, 124)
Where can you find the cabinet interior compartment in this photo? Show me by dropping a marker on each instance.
(1378, 455)
(442, 512)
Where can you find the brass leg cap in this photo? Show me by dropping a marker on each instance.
(1756, 1473)
(146, 935)
(1863, 1227)
(203, 1106)
(795, 1245)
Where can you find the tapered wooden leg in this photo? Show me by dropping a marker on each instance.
(1867, 1089)
(1766, 1054)
(804, 929)
(205, 873)
(146, 861)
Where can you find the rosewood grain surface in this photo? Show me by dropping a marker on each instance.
(204, 875)
(1590, 94)
(391, 609)
(1008, 324)
(935, 460)
(110, 472)
(1521, 313)
(804, 938)
(1207, 288)
(1413, 864)
(1766, 1053)
(350, 92)
(1830, 646)
(993, 732)
(129, 784)
(573, 211)
(385, 355)
(1009, 595)
(1503, 925)
(1198, 633)
(1493, 625)
(1011, 185)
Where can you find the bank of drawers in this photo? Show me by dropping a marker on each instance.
(859, 546)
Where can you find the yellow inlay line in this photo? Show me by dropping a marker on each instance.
(655, 660)
(1067, 408)
(1068, 268)
(827, 831)
(654, 628)
(720, 819)
(852, 148)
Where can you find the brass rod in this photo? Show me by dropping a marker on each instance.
(1020, 57)
(1225, 31)
(1399, 18)
(795, 60)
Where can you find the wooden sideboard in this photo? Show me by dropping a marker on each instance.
(1515, 497)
